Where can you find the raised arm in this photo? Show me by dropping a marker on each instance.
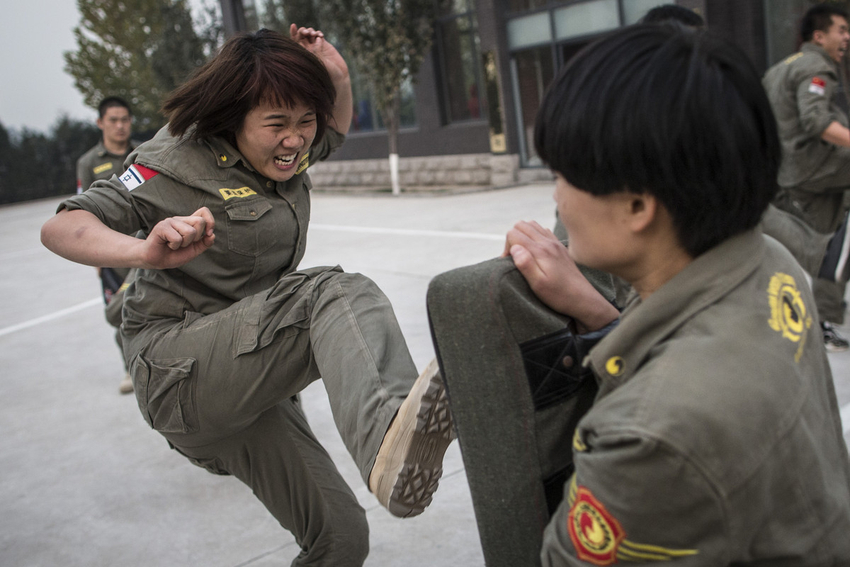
(81, 237)
(314, 41)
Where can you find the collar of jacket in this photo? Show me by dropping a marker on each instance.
(810, 47)
(645, 324)
(225, 154)
(102, 151)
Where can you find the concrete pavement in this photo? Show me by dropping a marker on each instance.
(85, 482)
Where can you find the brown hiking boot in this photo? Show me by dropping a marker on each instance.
(410, 461)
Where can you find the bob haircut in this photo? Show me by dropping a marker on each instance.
(661, 109)
(250, 70)
(673, 12)
(819, 18)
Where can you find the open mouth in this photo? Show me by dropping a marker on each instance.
(285, 161)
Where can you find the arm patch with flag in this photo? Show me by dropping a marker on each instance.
(136, 175)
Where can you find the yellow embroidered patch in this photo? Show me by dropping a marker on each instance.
(788, 314)
(303, 164)
(102, 167)
(642, 553)
(615, 366)
(595, 533)
(578, 444)
(600, 539)
(793, 58)
(239, 193)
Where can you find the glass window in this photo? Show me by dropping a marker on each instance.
(529, 30)
(461, 68)
(367, 115)
(524, 5)
(586, 18)
(782, 25)
(634, 10)
(534, 71)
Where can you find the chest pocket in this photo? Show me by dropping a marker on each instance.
(250, 227)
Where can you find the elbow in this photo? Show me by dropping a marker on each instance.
(48, 234)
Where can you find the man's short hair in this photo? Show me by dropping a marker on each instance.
(819, 18)
(673, 13)
(110, 102)
(669, 111)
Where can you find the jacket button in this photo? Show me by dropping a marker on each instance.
(222, 157)
(568, 362)
(253, 213)
(268, 183)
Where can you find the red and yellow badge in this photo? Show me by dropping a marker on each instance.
(600, 539)
(595, 533)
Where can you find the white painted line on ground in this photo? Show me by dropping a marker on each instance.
(53, 316)
(20, 253)
(845, 418)
(408, 232)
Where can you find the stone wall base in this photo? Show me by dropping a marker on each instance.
(430, 173)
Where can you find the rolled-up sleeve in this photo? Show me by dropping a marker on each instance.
(111, 203)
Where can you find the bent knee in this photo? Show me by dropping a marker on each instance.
(345, 544)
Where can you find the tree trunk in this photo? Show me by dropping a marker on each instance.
(391, 119)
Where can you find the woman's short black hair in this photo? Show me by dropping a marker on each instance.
(672, 112)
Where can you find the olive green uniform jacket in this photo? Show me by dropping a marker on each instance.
(98, 163)
(220, 347)
(802, 91)
(814, 174)
(715, 438)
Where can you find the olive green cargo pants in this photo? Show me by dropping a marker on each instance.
(823, 210)
(220, 389)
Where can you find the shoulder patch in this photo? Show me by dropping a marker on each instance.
(596, 534)
(599, 538)
(136, 175)
(817, 86)
(788, 315)
(303, 164)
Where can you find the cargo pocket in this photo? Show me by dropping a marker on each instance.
(165, 395)
(250, 231)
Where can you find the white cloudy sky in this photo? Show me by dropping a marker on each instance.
(34, 89)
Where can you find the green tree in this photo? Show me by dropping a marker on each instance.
(279, 14)
(388, 40)
(34, 165)
(139, 50)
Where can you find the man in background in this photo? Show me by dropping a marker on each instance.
(102, 162)
(815, 173)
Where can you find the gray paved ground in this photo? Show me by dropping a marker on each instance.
(84, 482)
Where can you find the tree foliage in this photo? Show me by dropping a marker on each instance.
(139, 50)
(279, 14)
(388, 40)
(34, 165)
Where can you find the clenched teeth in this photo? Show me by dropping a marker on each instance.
(284, 160)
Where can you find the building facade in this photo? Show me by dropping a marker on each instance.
(468, 119)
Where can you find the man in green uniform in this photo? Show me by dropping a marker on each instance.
(815, 173)
(715, 437)
(102, 162)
